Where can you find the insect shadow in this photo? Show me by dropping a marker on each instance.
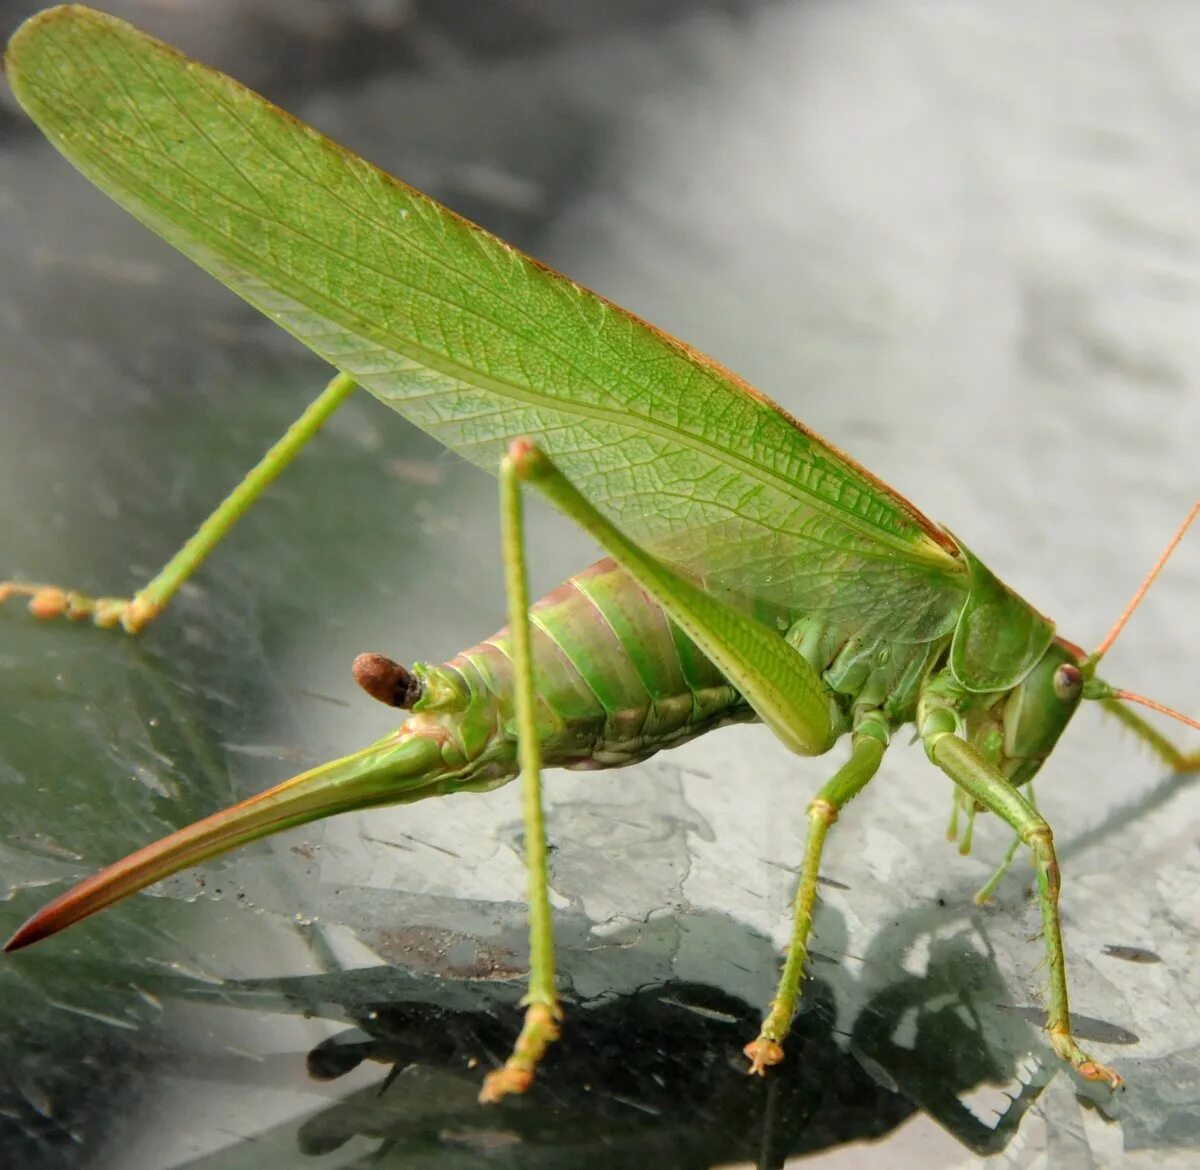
(656, 1074)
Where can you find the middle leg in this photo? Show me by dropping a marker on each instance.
(870, 740)
(986, 784)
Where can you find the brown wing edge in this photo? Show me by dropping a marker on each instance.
(736, 382)
(931, 529)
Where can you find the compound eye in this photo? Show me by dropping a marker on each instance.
(1068, 682)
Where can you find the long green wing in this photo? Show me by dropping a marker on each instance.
(476, 343)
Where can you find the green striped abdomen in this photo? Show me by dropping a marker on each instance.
(615, 680)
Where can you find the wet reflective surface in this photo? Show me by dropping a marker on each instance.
(961, 243)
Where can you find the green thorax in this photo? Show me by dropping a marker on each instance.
(995, 643)
(999, 636)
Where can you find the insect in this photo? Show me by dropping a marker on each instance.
(753, 571)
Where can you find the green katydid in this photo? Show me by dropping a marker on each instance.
(724, 520)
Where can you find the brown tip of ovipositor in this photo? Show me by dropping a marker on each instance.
(40, 926)
(387, 681)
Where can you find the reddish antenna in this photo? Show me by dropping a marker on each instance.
(1135, 601)
(1103, 690)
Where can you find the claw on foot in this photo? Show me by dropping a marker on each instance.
(762, 1054)
(1092, 1070)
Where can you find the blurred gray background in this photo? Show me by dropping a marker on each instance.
(960, 240)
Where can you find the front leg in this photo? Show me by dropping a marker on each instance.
(986, 784)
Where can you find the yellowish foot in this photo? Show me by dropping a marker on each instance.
(499, 1083)
(537, 1033)
(50, 601)
(1091, 1070)
(762, 1054)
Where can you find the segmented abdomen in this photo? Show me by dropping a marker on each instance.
(616, 681)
